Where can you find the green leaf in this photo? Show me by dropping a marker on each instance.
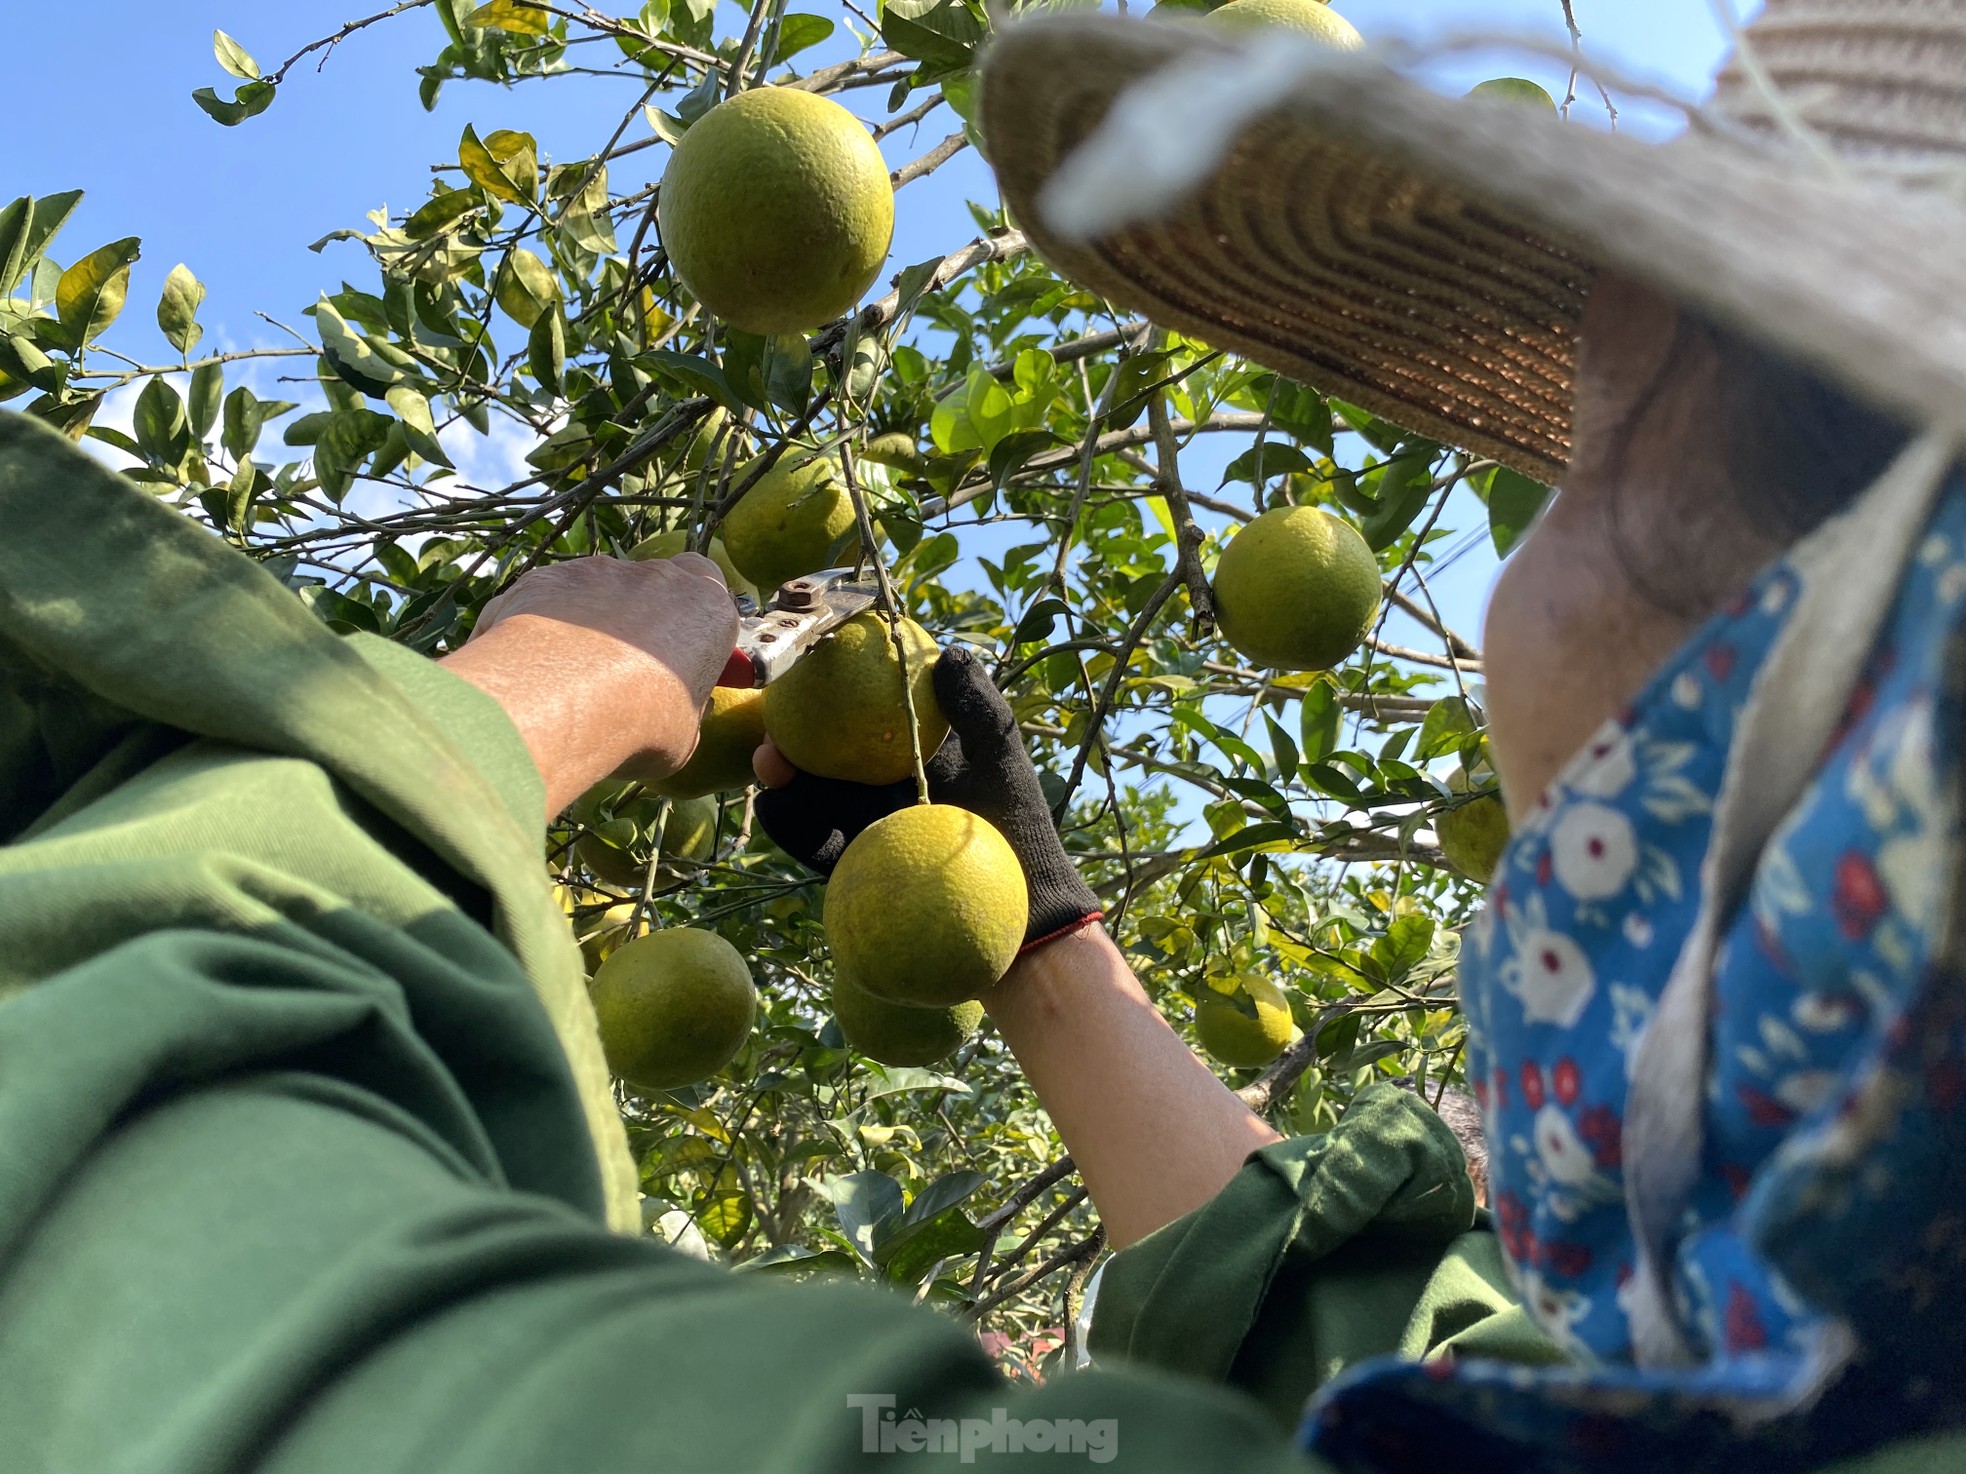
(1268, 832)
(504, 165)
(159, 422)
(723, 1212)
(1134, 378)
(943, 33)
(914, 1248)
(798, 1259)
(897, 1079)
(944, 1193)
(1404, 487)
(868, 1205)
(243, 420)
(353, 357)
(177, 310)
(207, 395)
(516, 16)
(1447, 727)
(234, 57)
(1302, 413)
(1263, 463)
(346, 439)
(769, 371)
(419, 428)
(526, 287)
(15, 219)
(1282, 748)
(546, 349)
(21, 359)
(1014, 452)
(252, 99)
(1514, 502)
(797, 32)
(443, 209)
(788, 372)
(92, 291)
(697, 375)
(1404, 946)
(239, 497)
(1039, 621)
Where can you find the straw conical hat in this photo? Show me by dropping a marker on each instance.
(1427, 258)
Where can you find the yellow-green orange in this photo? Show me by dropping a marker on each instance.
(1246, 1029)
(1312, 17)
(1514, 89)
(777, 210)
(1296, 589)
(676, 540)
(926, 908)
(797, 520)
(733, 726)
(1474, 834)
(841, 711)
(894, 1034)
(674, 1007)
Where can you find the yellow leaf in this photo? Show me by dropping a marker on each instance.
(516, 16)
(91, 292)
(505, 164)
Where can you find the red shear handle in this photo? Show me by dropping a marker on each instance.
(739, 672)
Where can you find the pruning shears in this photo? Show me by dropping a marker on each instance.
(771, 640)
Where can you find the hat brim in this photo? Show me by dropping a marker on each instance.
(1427, 258)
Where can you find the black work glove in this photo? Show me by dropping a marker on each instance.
(982, 767)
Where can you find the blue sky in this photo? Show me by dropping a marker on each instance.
(99, 98)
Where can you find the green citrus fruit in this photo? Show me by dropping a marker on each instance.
(1248, 1028)
(797, 520)
(841, 713)
(1473, 835)
(926, 908)
(897, 451)
(777, 210)
(733, 726)
(617, 850)
(1514, 89)
(1297, 588)
(676, 540)
(674, 1007)
(1312, 17)
(688, 454)
(896, 1035)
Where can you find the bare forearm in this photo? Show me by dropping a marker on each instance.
(603, 665)
(1154, 1133)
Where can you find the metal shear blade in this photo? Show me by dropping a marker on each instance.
(800, 614)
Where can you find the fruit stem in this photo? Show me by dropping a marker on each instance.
(640, 913)
(870, 552)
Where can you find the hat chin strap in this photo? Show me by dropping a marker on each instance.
(1793, 707)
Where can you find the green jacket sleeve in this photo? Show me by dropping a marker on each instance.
(305, 1156)
(1322, 1252)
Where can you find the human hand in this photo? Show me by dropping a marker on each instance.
(604, 665)
(982, 767)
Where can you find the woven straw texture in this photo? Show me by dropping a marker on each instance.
(1427, 258)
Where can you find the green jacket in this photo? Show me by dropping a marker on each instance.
(307, 1157)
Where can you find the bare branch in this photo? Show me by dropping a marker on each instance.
(1187, 536)
(929, 162)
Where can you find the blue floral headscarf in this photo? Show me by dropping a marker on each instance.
(1814, 1270)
